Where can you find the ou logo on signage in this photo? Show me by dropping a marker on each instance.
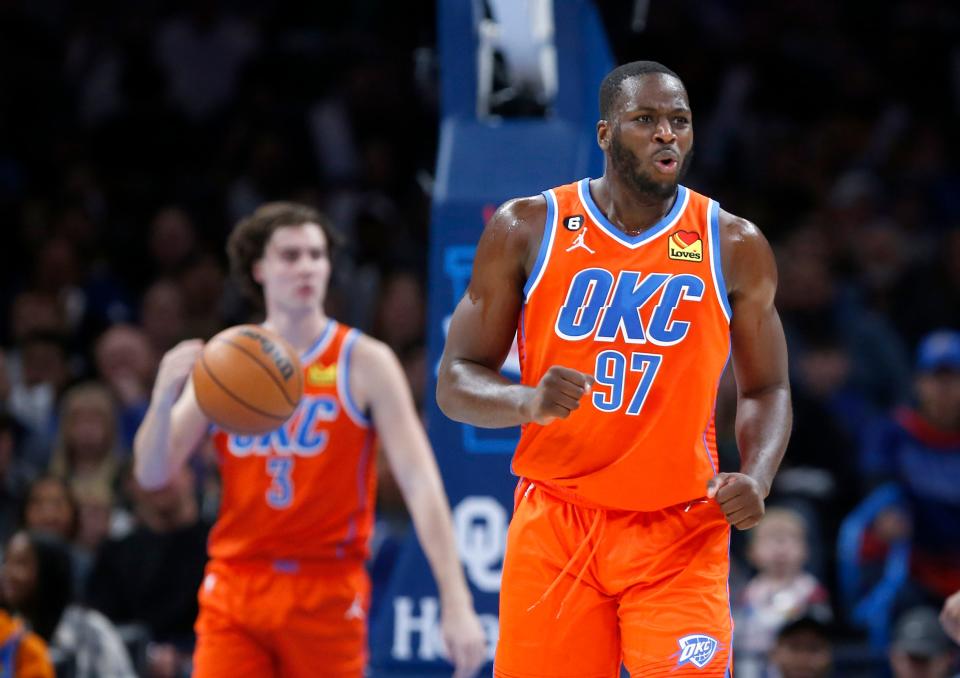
(480, 524)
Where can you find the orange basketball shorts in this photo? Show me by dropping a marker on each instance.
(585, 589)
(282, 619)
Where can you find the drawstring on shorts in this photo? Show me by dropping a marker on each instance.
(598, 522)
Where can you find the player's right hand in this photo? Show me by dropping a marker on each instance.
(557, 395)
(175, 367)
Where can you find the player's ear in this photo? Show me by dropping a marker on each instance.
(257, 271)
(603, 134)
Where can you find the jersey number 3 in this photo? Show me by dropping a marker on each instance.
(280, 492)
(612, 372)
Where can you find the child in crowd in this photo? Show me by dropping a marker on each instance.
(780, 592)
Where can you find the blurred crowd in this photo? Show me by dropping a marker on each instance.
(133, 135)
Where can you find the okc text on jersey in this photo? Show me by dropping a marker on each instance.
(301, 435)
(607, 308)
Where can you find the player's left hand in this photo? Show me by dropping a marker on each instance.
(740, 496)
(465, 641)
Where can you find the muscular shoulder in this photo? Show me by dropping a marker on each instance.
(747, 258)
(514, 231)
(520, 214)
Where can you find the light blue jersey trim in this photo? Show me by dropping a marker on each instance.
(343, 381)
(633, 241)
(716, 261)
(546, 245)
(320, 345)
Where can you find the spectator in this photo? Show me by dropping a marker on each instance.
(87, 445)
(13, 476)
(88, 456)
(820, 466)
(42, 374)
(400, 314)
(780, 592)
(36, 583)
(919, 450)
(153, 574)
(126, 363)
(202, 284)
(202, 54)
(162, 315)
(915, 306)
(812, 295)
(803, 649)
(920, 648)
(50, 507)
(173, 240)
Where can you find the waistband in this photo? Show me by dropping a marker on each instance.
(574, 498)
(292, 566)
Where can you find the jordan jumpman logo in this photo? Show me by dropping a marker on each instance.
(355, 611)
(579, 243)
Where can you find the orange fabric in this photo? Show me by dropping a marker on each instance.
(259, 620)
(305, 491)
(644, 438)
(32, 659)
(652, 591)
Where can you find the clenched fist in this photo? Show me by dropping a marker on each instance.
(557, 395)
(740, 497)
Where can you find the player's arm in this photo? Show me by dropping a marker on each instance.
(470, 387)
(764, 414)
(173, 425)
(379, 382)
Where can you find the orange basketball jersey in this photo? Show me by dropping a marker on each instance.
(648, 317)
(305, 491)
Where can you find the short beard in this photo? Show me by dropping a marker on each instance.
(625, 164)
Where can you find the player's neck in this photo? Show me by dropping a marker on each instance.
(630, 211)
(299, 329)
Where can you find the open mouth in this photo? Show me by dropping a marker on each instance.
(666, 163)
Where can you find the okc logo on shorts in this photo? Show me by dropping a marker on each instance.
(696, 649)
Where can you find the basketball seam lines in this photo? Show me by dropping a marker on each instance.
(266, 369)
(203, 361)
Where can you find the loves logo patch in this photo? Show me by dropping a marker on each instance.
(685, 246)
(322, 376)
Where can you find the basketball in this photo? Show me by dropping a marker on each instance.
(248, 380)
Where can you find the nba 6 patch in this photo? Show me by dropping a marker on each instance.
(697, 649)
(685, 246)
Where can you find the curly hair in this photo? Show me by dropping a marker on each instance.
(249, 238)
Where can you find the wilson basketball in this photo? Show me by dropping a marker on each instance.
(248, 380)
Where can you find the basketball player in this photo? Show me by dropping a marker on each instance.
(627, 294)
(286, 592)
